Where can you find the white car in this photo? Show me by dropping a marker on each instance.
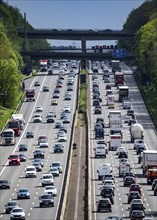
(57, 165)
(54, 171)
(120, 149)
(43, 143)
(138, 142)
(67, 108)
(109, 182)
(17, 213)
(51, 190)
(47, 179)
(127, 119)
(39, 109)
(37, 118)
(31, 171)
(62, 137)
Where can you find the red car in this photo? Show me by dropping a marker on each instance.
(14, 159)
(59, 85)
(135, 187)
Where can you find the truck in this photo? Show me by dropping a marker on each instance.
(8, 137)
(15, 126)
(103, 169)
(119, 78)
(115, 121)
(30, 95)
(43, 65)
(136, 132)
(123, 92)
(151, 175)
(115, 65)
(20, 118)
(149, 160)
(110, 99)
(115, 141)
(124, 168)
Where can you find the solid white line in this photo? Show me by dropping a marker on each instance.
(78, 180)
(25, 126)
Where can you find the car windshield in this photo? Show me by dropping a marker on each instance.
(46, 196)
(13, 156)
(56, 164)
(104, 201)
(12, 203)
(47, 177)
(17, 210)
(23, 190)
(3, 181)
(30, 169)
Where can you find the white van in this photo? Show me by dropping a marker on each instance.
(103, 169)
(124, 168)
(100, 151)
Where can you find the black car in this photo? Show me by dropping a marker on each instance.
(104, 204)
(129, 180)
(50, 119)
(4, 184)
(128, 174)
(107, 194)
(136, 206)
(22, 157)
(23, 147)
(29, 134)
(46, 200)
(133, 195)
(58, 148)
(39, 154)
(107, 189)
(10, 205)
(122, 154)
(154, 184)
(137, 215)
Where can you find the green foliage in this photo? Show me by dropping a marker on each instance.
(83, 98)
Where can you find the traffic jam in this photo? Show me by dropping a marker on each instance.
(33, 157)
(118, 145)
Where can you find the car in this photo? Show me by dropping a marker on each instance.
(47, 179)
(46, 88)
(155, 190)
(50, 118)
(123, 160)
(135, 187)
(23, 193)
(67, 108)
(63, 114)
(37, 83)
(66, 120)
(4, 184)
(54, 171)
(22, 157)
(37, 166)
(10, 205)
(54, 102)
(30, 171)
(29, 134)
(108, 176)
(137, 215)
(58, 148)
(123, 154)
(62, 137)
(120, 149)
(129, 180)
(17, 213)
(108, 87)
(138, 142)
(39, 154)
(136, 206)
(58, 166)
(58, 124)
(46, 200)
(42, 138)
(23, 147)
(113, 217)
(39, 109)
(130, 174)
(14, 159)
(37, 118)
(67, 97)
(58, 85)
(56, 90)
(55, 96)
(109, 182)
(70, 88)
(133, 195)
(44, 144)
(37, 160)
(108, 92)
(104, 204)
(127, 119)
(111, 106)
(50, 190)
(106, 80)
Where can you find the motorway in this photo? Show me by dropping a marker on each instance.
(16, 174)
(120, 206)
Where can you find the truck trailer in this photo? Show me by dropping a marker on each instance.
(149, 160)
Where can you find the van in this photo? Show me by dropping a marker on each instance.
(100, 151)
(103, 169)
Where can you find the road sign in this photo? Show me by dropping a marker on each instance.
(119, 53)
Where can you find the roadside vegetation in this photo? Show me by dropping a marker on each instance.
(83, 92)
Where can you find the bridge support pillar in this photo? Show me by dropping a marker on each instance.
(28, 64)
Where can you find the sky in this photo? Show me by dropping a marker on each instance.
(76, 14)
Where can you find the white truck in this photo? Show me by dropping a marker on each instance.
(104, 168)
(20, 118)
(115, 141)
(8, 137)
(100, 150)
(136, 132)
(115, 121)
(149, 158)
